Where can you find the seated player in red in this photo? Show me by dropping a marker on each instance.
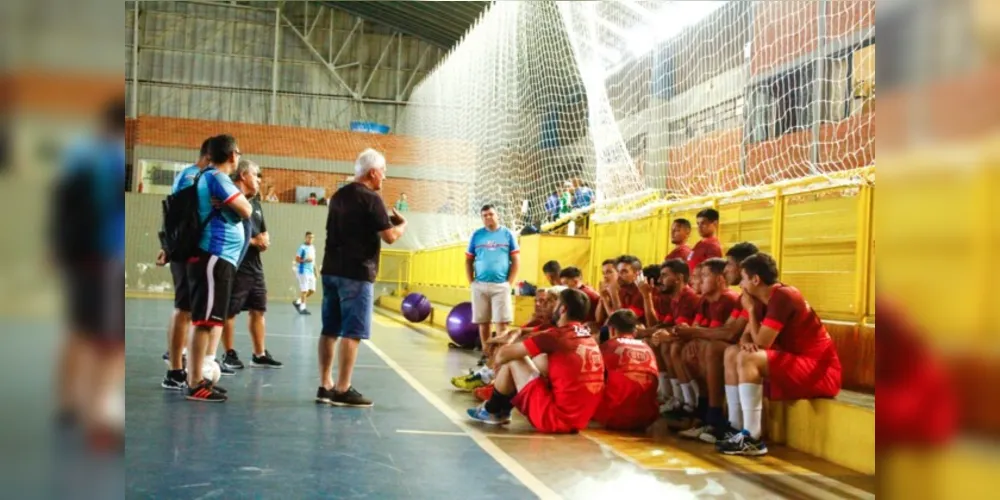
(545, 303)
(555, 378)
(572, 278)
(789, 347)
(683, 305)
(629, 401)
(680, 231)
(609, 274)
(708, 246)
(689, 353)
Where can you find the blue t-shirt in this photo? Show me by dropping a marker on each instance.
(185, 178)
(102, 162)
(307, 252)
(225, 234)
(583, 197)
(492, 251)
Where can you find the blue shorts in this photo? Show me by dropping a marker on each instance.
(347, 307)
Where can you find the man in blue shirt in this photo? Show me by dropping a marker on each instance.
(222, 208)
(305, 271)
(180, 322)
(491, 265)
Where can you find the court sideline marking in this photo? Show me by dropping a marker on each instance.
(506, 461)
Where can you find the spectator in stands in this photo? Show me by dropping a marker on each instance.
(680, 230)
(560, 387)
(312, 200)
(709, 246)
(629, 400)
(788, 346)
(551, 271)
(572, 278)
(272, 195)
(566, 199)
(583, 196)
(402, 204)
(552, 206)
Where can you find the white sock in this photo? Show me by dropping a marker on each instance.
(688, 395)
(752, 400)
(695, 390)
(486, 375)
(675, 384)
(735, 410)
(665, 390)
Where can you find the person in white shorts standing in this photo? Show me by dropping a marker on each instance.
(305, 271)
(491, 265)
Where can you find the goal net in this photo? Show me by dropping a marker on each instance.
(553, 109)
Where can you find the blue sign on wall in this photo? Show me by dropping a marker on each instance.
(369, 128)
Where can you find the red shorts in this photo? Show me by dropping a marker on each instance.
(791, 376)
(536, 403)
(627, 405)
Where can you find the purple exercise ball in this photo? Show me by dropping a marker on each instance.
(416, 307)
(461, 329)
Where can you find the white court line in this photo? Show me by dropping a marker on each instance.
(465, 434)
(505, 460)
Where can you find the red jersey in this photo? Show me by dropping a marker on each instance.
(799, 328)
(576, 371)
(629, 401)
(631, 298)
(662, 304)
(705, 249)
(715, 314)
(632, 357)
(535, 326)
(595, 300)
(682, 252)
(684, 308)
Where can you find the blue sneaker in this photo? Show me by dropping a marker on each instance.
(480, 414)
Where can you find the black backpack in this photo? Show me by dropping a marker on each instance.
(182, 228)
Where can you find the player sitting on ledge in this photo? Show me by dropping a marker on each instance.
(629, 401)
(789, 347)
(689, 352)
(555, 378)
(677, 303)
(545, 304)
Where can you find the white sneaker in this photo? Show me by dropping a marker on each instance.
(670, 405)
(694, 432)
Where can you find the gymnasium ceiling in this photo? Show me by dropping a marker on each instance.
(439, 23)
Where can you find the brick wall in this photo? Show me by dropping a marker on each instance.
(298, 142)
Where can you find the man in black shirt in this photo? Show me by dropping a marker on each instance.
(249, 288)
(356, 225)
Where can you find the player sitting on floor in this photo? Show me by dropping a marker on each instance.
(545, 304)
(789, 347)
(555, 378)
(629, 401)
(688, 353)
(679, 304)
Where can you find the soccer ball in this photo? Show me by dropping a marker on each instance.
(211, 370)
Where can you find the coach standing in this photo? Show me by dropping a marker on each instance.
(491, 265)
(356, 223)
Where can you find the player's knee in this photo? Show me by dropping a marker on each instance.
(731, 355)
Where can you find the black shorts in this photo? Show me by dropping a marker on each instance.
(211, 281)
(182, 291)
(249, 294)
(96, 300)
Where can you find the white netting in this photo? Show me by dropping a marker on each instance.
(640, 100)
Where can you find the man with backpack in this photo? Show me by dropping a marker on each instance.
(203, 225)
(180, 322)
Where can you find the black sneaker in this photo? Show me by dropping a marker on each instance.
(718, 435)
(232, 360)
(743, 444)
(218, 388)
(205, 392)
(175, 380)
(265, 361)
(350, 397)
(225, 370)
(324, 395)
(305, 312)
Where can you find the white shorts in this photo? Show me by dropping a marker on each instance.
(491, 303)
(307, 282)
